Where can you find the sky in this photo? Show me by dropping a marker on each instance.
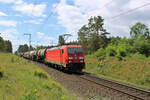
(47, 19)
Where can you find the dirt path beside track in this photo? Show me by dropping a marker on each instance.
(85, 90)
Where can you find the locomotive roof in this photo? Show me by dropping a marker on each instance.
(71, 46)
(54, 48)
(63, 46)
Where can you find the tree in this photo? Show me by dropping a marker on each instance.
(8, 46)
(72, 43)
(83, 37)
(142, 46)
(23, 48)
(5, 46)
(139, 29)
(2, 44)
(31, 48)
(61, 40)
(93, 36)
(95, 25)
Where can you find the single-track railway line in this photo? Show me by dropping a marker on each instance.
(132, 91)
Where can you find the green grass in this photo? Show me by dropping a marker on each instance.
(131, 70)
(22, 80)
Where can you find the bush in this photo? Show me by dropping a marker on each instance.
(139, 56)
(1, 73)
(30, 96)
(100, 53)
(121, 52)
(119, 57)
(110, 51)
(40, 73)
(142, 46)
(122, 47)
(12, 59)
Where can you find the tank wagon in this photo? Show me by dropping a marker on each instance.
(41, 54)
(67, 56)
(26, 55)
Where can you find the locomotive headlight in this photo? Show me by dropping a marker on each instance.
(70, 58)
(70, 61)
(81, 61)
(81, 58)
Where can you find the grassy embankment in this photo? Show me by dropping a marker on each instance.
(21, 80)
(134, 70)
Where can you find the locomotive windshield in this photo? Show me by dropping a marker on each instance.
(74, 50)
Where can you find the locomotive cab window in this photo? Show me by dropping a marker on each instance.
(74, 50)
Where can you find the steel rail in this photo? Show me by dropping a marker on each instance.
(116, 89)
(106, 83)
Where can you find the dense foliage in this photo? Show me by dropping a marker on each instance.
(122, 47)
(61, 40)
(5, 45)
(124, 59)
(93, 36)
(140, 29)
(23, 48)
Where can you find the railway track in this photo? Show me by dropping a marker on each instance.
(132, 91)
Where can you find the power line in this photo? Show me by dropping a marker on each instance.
(108, 3)
(50, 14)
(126, 12)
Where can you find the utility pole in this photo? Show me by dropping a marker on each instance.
(29, 40)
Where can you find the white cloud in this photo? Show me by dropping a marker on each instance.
(46, 39)
(12, 1)
(7, 1)
(70, 16)
(11, 34)
(3, 14)
(19, 2)
(38, 21)
(136, 3)
(31, 9)
(8, 23)
(73, 16)
(17, 15)
(11, 30)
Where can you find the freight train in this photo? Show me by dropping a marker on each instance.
(68, 57)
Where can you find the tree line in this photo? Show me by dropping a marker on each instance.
(5, 45)
(95, 40)
(93, 37)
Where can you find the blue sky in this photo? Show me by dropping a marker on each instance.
(23, 16)
(31, 16)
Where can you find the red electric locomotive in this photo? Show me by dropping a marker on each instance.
(68, 56)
